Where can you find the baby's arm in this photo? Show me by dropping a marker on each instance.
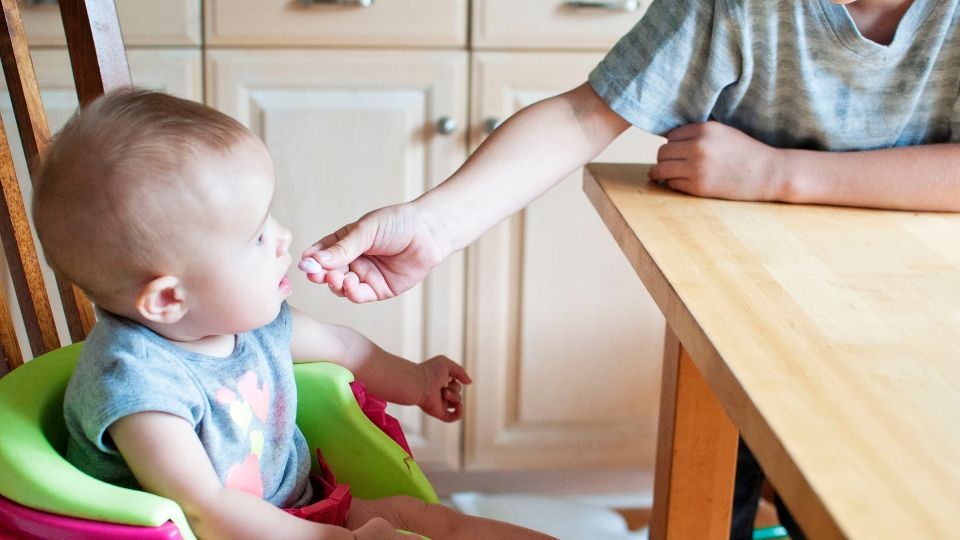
(434, 385)
(715, 160)
(168, 459)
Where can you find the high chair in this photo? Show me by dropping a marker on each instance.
(41, 494)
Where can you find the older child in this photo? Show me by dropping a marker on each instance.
(845, 102)
(159, 209)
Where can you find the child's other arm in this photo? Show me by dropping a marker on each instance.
(524, 157)
(168, 459)
(433, 385)
(715, 160)
(392, 249)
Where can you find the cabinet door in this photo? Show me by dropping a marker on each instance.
(564, 342)
(350, 131)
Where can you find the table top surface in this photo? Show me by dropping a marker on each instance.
(830, 335)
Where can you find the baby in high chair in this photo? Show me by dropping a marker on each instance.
(159, 209)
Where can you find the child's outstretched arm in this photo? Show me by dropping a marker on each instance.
(715, 160)
(168, 459)
(392, 249)
(433, 385)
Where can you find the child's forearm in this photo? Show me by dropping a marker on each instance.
(924, 178)
(254, 518)
(385, 375)
(527, 155)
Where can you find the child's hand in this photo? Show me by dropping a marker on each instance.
(441, 388)
(711, 159)
(381, 255)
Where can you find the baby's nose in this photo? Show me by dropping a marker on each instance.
(285, 238)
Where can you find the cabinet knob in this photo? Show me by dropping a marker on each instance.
(446, 125)
(358, 3)
(615, 5)
(491, 124)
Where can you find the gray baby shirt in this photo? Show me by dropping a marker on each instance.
(243, 407)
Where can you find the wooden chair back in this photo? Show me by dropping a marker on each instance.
(99, 64)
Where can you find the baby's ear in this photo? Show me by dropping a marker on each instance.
(162, 300)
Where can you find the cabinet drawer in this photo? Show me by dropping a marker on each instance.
(553, 24)
(143, 22)
(437, 23)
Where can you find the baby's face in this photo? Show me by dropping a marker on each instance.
(240, 279)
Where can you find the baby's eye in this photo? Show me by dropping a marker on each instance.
(259, 239)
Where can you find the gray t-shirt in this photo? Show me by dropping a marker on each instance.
(790, 73)
(242, 407)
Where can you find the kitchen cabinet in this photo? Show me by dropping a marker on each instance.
(564, 342)
(364, 104)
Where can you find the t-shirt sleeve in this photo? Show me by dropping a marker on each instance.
(669, 69)
(123, 379)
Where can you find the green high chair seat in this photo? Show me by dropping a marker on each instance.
(34, 473)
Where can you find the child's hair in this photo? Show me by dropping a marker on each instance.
(117, 182)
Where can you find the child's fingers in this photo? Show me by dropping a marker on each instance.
(675, 150)
(452, 413)
(666, 170)
(343, 246)
(451, 397)
(357, 291)
(458, 373)
(681, 184)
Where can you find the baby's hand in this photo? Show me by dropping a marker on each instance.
(442, 380)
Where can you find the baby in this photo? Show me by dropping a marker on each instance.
(159, 209)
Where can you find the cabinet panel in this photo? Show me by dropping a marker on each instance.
(350, 131)
(564, 341)
(553, 24)
(144, 22)
(175, 71)
(385, 22)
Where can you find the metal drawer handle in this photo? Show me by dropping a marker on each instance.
(616, 5)
(446, 125)
(40, 2)
(358, 3)
(491, 124)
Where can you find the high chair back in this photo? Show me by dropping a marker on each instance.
(41, 494)
(99, 64)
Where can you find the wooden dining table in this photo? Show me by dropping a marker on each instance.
(827, 337)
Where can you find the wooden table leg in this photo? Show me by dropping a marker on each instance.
(696, 455)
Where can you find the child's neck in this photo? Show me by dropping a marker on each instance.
(878, 20)
(220, 346)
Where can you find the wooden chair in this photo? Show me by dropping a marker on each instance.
(99, 64)
(41, 494)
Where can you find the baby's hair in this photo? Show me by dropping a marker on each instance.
(114, 184)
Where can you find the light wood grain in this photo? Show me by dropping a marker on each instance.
(696, 454)
(830, 336)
